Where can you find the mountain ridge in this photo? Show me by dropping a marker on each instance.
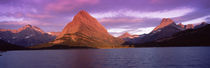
(27, 35)
(85, 31)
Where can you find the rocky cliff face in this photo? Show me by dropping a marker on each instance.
(27, 35)
(85, 30)
(165, 22)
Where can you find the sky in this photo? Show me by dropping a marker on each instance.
(118, 16)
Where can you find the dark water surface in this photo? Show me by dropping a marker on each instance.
(166, 57)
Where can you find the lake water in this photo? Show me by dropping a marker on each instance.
(166, 57)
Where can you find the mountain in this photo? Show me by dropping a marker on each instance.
(7, 46)
(30, 28)
(27, 35)
(128, 37)
(189, 26)
(201, 25)
(181, 25)
(85, 31)
(191, 37)
(166, 28)
(125, 35)
(165, 22)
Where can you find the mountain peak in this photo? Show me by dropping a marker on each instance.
(83, 12)
(203, 23)
(181, 25)
(165, 22)
(125, 35)
(28, 25)
(189, 26)
(83, 21)
(82, 15)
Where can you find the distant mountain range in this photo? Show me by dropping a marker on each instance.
(26, 36)
(86, 32)
(128, 36)
(168, 31)
(190, 37)
(166, 28)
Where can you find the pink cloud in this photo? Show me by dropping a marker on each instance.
(155, 1)
(41, 16)
(162, 1)
(18, 15)
(10, 18)
(68, 5)
(31, 22)
(197, 20)
(160, 14)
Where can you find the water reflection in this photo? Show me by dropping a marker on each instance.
(174, 57)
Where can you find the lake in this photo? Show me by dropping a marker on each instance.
(161, 57)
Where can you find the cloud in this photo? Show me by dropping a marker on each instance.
(40, 16)
(178, 12)
(26, 21)
(197, 20)
(159, 14)
(140, 31)
(23, 22)
(120, 20)
(134, 31)
(113, 14)
(208, 20)
(108, 14)
(155, 1)
(117, 30)
(68, 5)
(6, 18)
